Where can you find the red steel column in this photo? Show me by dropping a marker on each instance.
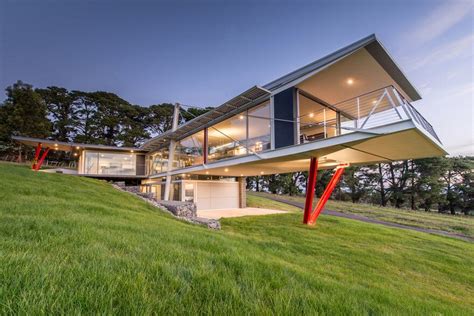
(310, 186)
(40, 162)
(37, 153)
(327, 194)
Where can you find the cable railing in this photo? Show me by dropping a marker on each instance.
(377, 108)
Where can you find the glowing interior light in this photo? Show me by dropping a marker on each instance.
(131, 151)
(261, 172)
(77, 147)
(311, 114)
(241, 117)
(373, 102)
(226, 170)
(75, 154)
(207, 172)
(350, 81)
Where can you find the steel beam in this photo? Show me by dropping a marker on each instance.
(40, 162)
(37, 153)
(310, 187)
(327, 194)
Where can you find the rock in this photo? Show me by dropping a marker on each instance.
(179, 209)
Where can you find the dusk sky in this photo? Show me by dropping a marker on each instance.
(205, 52)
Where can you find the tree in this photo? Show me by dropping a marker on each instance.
(355, 180)
(458, 185)
(23, 113)
(160, 118)
(133, 131)
(86, 123)
(61, 111)
(110, 119)
(428, 187)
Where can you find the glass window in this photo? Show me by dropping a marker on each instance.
(110, 163)
(90, 162)
(189, 151)
(189, 192)
(228, 138)
(117, 164)
(259, 129)
(158, 162)
(316, 120)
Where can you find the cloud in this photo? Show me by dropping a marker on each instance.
(440, 20)
(457, 49)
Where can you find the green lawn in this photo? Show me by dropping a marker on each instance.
(459, 224)
(75, 245)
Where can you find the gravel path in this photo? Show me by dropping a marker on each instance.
(375, 221)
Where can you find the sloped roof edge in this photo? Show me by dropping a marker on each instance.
(373, 46)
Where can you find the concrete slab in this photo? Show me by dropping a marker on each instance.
(236, 212)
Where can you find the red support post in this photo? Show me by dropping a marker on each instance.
(37, 153)
(327, 193)
(40, 162)
(310, 186)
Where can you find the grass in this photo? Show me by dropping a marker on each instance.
(458, 224)
(76, 245)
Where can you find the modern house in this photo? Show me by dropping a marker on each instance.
(351, 107)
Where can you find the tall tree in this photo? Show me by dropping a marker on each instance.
(355, 180)
(23, 113)
(160, 118)
(86, 120)
(61, 111)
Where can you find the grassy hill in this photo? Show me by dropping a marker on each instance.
(70, 245)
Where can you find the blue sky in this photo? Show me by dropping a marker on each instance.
(205, 52)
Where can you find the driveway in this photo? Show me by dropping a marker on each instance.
(236, 212)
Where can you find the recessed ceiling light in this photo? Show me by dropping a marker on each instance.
(311, 114)
(226, 169)
(131, 151)
(77, 147)
(241, 117)
(373, 102)
(261, 172)
(75, 154)
(207, 172)
(56, 145)
(350, 81)
(241, 174)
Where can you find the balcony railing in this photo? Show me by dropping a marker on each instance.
(378, 108)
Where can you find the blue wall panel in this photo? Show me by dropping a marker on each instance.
(284, 107)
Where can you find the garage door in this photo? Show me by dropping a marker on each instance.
(217, 195)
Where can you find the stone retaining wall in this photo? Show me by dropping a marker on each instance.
(182, 210)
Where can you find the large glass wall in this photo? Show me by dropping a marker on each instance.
(158, 162)
(245, 133)
(189, 151)
(316, 120)
(259, 128)
(110, 163)
(228, 138)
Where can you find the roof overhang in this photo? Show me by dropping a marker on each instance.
(371, 44)
(241, 102)
(396, 141)
(66, 146)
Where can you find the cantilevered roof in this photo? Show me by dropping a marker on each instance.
(239, 103)
(372, 45)
(66, 146)
(256, 93)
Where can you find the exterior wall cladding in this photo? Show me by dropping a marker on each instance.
(284, 109)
